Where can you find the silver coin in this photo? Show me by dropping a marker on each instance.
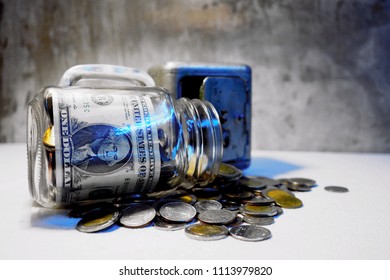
(252, 183)
(268, 181)
(236, 222)
(250, 233)
(137, 216)
(159, 203)
(337, 189)
(168, 226)
(284, 182)
(280, 210)
(205, 205)
(258, 200)
(206, 232)
(178, 212)
(303, 181)
(98, 221)
(299, 188)
(230, 205)
(221, 216)
(260, 221)
(259, 210)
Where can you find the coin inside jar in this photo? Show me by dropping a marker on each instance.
(206, 232)
(48, 139)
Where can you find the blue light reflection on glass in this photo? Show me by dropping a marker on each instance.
(208, 123)
(123, 130)
(269, 167)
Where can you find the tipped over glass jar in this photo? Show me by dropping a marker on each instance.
(106, 132)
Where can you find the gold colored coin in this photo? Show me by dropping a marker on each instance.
(48, 138)
(206, 232)
(259, 210)
(97, 222)
(227, 171)
(188, 198)
(284, 199)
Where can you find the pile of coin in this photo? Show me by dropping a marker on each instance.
(233, 205)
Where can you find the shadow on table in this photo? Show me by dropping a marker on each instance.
(57, 219)
(269, 167)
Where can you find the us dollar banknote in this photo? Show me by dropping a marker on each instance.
(106, 144)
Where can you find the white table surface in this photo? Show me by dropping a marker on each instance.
(353, 225)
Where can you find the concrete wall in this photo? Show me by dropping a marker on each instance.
(320, 67)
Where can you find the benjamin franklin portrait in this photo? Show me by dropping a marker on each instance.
(100, 148)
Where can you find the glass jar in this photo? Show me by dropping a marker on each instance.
(107, 132)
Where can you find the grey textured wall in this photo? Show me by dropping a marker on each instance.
(320, 67)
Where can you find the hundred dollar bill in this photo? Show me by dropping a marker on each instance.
(106, 144)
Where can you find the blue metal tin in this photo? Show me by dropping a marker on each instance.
(228, 88)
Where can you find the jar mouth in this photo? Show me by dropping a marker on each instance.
(204, 148)
(33, 148)
(37, 181)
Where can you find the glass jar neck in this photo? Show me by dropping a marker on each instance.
(202, 140)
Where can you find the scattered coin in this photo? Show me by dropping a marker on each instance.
(303, 181)
(236, 222)
(250, 233)
(221, 216)
(230, 205)
(161, 202)
(137, 216)
(268, 181)
(260, 221)
(206, 232)
(168, 226)
(205, 205)
(252, 183)
(258, 200)
(242, 195)
(97, 221)
(177, 212)
(298, 184)
(259, 210)
(227, 202)
(271, 188)
(337, 189)
(284, 199)
(229, 172)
